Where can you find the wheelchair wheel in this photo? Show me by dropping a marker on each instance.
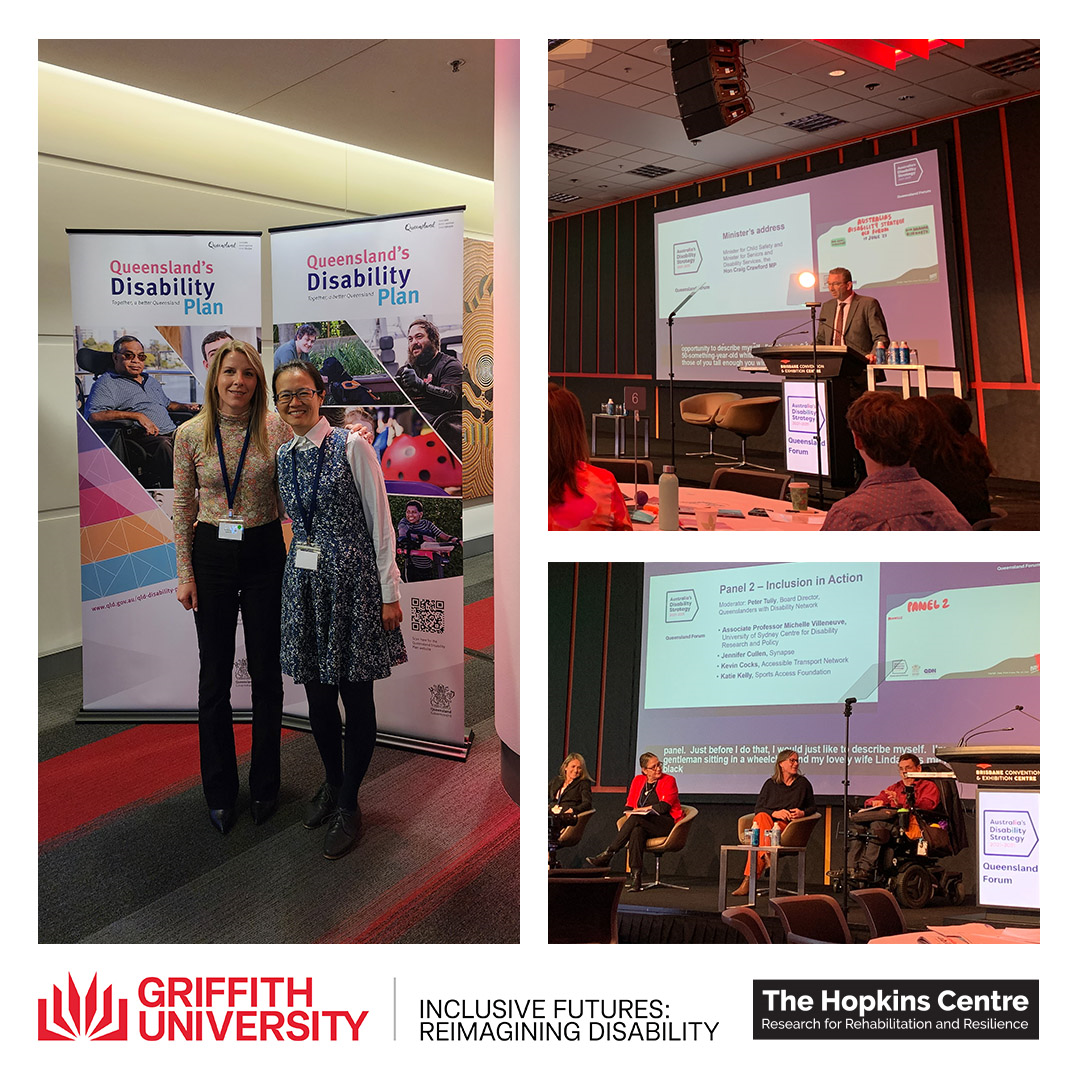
(913, 886)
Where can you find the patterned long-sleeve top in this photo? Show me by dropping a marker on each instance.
(199, 492)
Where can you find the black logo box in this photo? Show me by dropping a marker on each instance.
(895, 1009)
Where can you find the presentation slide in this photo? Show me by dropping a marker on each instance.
(762, 634)
(729, 266)
(1008, 824)
(742, 660)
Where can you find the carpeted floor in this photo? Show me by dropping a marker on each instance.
(127, 854)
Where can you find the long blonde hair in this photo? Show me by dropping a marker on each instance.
(211, 411)
(584, 769)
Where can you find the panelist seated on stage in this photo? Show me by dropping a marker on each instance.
(581, 496)
(653, 808)
(569, 795)
(786, 796)
(893, 497)
(874, 825)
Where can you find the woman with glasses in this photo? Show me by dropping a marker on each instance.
(230, 555)
(341, 608)
(652, 805)
(787, 795)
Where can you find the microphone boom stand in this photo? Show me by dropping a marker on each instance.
(813, 305)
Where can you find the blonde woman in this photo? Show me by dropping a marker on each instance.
(230, 555)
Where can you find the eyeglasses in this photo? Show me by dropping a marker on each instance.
(127, 354)
(301, 395)
(655, 765)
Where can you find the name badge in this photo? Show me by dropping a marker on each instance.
(307, 557)
(230, 529)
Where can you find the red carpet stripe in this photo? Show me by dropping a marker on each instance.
(480, 624)
(416, 896)
(136, 765)
(150, 762)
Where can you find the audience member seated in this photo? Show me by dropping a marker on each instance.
(785, 796)
(893, 496)
(873, 825)
(958, 414)
(653, 807)
(580, 496)
(942, 458)
(569, 794)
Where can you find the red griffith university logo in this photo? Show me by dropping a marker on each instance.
(83, 1017)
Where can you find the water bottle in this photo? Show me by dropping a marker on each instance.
(879, 353)
(905, 353)
(669, 499)
(774, 836)
(755, 830)
(894, 353)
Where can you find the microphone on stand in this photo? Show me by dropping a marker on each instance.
(976, 729)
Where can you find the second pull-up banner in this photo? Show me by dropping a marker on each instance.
(376, 305)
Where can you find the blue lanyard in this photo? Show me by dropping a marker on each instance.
(230, 489)
(307, 516)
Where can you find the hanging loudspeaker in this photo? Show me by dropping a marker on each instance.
(710, 86)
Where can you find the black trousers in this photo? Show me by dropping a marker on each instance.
(343, 772)
(872, 831)
(636, 830)
(239, 577)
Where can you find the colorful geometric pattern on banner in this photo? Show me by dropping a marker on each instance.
(376, 306)
(173, 295)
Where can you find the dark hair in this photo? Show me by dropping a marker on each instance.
(305, 330)
(214, 335)
(955, 410)
(939, 446)
(909, 757)
(431, 329)
(842, 270)
(568, 445)
(417, 503)
(958, 414)
(119, 343)
(647, 756)
(299, 365)
(887, 429)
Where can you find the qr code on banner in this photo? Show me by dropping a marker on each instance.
(427, 615)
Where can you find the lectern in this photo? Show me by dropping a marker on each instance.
(1006, 820)
(838, 373)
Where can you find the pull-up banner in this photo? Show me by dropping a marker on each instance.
(171, 293)
(376, 305)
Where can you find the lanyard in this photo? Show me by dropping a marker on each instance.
(307, 516)
(230, 489)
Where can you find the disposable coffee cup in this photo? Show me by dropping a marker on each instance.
(799, 490)
(706, 518)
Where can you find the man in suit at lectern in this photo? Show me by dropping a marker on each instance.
(851, 319)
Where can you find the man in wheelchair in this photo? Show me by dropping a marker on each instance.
(898, 835)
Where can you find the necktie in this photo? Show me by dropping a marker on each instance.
(838, 329)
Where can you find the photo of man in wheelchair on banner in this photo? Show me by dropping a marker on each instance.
(896, 839)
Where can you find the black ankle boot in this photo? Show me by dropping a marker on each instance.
(603, 859)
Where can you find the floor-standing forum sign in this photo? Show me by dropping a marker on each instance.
(172, 294)
(376, 305)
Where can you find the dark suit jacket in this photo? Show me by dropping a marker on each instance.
(577, 797)
(865, 323)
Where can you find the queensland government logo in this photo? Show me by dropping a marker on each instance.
(82, 1016)
(218, 1008)
(441, 698)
